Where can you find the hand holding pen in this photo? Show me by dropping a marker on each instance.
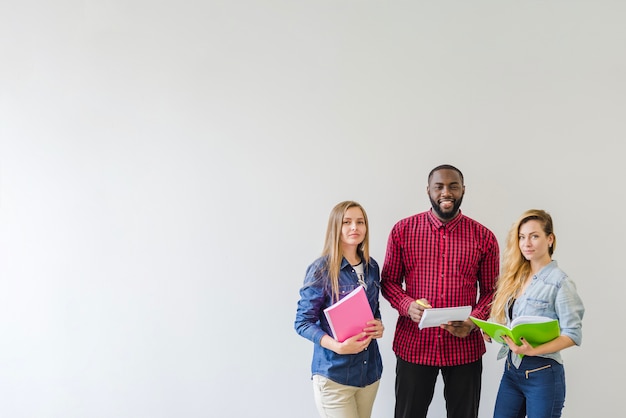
(416, 309)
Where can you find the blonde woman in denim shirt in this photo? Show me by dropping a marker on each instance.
(345, 374)
(531, 283)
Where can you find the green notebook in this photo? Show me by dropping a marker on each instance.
(535, 329)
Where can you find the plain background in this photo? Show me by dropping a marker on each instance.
(167, 169)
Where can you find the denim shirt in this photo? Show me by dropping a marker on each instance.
(551, 293)
(360, 369)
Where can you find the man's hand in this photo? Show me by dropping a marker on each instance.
(416, 309)
(459, 329)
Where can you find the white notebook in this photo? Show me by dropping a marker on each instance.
(433, 317)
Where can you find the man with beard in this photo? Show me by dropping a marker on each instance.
(439, 258)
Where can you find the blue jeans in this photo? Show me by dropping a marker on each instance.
(536, 389)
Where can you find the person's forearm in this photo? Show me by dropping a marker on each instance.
(329, 343)
(560, 343)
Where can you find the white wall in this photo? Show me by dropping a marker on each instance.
(167, 169)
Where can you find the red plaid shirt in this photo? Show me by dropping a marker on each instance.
(449, 265)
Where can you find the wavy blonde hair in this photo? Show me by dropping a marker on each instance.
(332, 243)
(515, 268)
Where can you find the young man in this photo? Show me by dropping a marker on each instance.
(439, 258)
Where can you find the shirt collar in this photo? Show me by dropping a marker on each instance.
(344, 263)
(450, 225)
(547, 269)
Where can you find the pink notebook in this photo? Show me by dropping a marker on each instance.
(349, 315)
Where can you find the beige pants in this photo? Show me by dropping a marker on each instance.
(335, 400)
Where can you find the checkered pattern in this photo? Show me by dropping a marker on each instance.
(449, 265)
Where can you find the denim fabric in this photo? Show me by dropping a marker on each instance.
(551, 293)
(536, 389)
(360, 369)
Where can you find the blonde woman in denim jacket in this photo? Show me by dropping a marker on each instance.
(345, 374)
(531, 283)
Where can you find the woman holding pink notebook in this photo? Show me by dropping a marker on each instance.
(346, 373)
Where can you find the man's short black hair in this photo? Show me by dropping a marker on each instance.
(445, 167)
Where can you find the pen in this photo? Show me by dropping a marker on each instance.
(425, 305)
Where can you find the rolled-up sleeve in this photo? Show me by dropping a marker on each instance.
(570, 310)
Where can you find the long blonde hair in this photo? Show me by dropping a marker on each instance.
(515, 268)
(332, 243)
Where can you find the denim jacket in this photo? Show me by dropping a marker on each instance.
(551, 293)
(360, 369)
